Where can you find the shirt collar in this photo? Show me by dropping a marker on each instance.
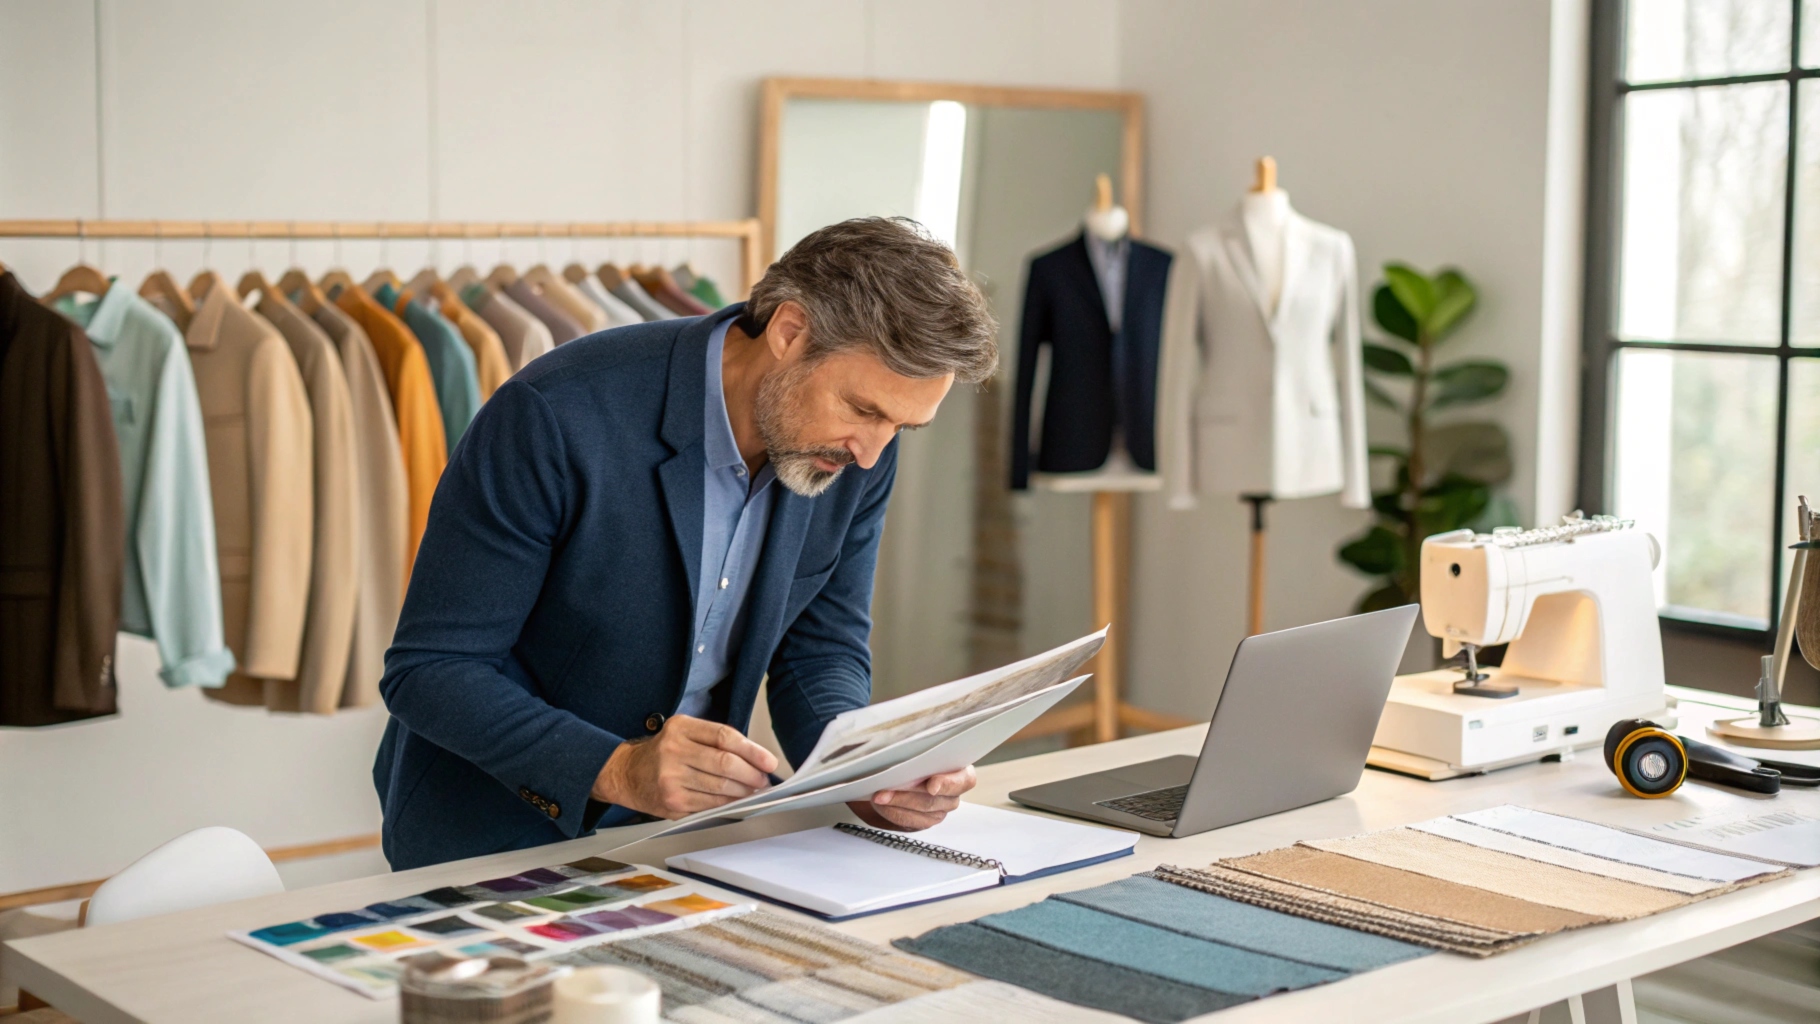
(205, 327)
(104, 318)
(1105, 252)
(718, 446)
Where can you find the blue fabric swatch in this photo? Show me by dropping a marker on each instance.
(1116, 940)
(1081, 980)
(1178, 908)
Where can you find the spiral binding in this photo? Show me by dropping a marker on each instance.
(916, 846)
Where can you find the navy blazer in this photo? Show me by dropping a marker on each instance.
(551, 607)
(1063, 309)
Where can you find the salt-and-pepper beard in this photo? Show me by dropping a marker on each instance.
(780, 427)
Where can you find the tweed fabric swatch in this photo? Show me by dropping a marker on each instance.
(1616, 844)
(1491, 839)
(1191, 912)
(1108, 938)
(1506, 874)
(1406, 890)
(1345, 911)
(1081, 980)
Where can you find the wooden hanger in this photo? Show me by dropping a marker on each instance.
(161, 286)
(611, 276)
(309, 297)
(79, 278)
(1266, 179)
(502, 275)
(426, 282)
(574, 273)
(205, 282)
(336, 278)
(380, 278)
(254, 281)
(464, 276)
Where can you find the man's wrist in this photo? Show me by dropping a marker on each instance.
(609, 783)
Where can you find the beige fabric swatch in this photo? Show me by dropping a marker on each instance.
(1503, 873)
(1492, 839)
(1345, 911)
(1408, 890)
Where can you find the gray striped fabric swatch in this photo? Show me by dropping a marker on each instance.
(1069, 977)
(1204, 916)
(1126, 943)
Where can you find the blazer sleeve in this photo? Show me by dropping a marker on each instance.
(174, 538)
(1181, 373)
(1034, 330)
(94, 537)
(280, 471)
(823, 664)
(1349, 360)
(497, 519)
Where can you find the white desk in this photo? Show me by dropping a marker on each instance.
(181, 967)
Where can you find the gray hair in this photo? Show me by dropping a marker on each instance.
(884, 284)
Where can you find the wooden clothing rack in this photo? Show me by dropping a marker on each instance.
(746, 232)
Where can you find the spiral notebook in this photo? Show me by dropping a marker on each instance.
(848, 870)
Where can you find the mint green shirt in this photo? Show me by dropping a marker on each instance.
(173, 587)
(451, 362)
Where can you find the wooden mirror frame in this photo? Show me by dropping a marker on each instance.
(778, 91)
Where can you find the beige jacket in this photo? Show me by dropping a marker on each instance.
(328, 632)
(385, 507)
(256, 419)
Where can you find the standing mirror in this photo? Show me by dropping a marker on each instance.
(970, 574)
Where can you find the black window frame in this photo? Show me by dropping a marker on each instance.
(1600, 342)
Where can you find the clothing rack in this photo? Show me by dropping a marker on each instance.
(746, 232)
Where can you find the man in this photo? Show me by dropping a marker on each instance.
(642, 525)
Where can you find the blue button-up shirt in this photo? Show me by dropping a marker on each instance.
(735, 514)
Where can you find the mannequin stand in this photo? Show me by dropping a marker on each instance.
(1254, 621)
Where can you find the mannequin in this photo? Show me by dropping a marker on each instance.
(1265, 211)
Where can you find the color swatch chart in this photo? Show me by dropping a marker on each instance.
(538, 914)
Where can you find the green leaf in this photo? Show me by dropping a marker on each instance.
(1390, 315)
(1454, 298)
(1378, 395)
(1471, 381)
(1379, 552)
(1450, 504)
(1389, 505)
(1385, 359)
(1413, 289)
(1387, 596)
(1475, 450)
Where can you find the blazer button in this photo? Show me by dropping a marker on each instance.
(654, 722)
(554, 810)
(523, 793)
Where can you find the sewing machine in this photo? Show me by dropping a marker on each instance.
(1576, 604)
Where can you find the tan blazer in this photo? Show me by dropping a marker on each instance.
(385, 507)
(256, 419)
(328, 632)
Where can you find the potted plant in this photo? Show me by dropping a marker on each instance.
(1445, 472)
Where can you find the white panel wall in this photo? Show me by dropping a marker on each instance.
(1421, 127)
(395, 109)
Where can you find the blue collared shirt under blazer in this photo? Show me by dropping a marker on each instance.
(550, 612)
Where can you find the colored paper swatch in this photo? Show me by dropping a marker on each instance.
(447, 896)
(545, 876)
(508, 885)
(389, 941)
(504, 912)
(387, 911)
(499, 945)
(564, 902)
(1204, 916)
(373, 974)
(331, 953)
(289, 934)
(1081, 980)
(630, 917)
(642, 883)
(446, 926)
(566, 930)
(682, 906)
(592, 866)
(1111, 939)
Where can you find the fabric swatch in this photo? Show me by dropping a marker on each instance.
(1081, 980)
(1491, 839)
(1345, 911)
(1205, 916)
(1615, 844)
(809, 999)
(1547, 884)
(1406, 890)
(1192, 961)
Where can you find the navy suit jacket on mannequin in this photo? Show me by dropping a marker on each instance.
(550, 611)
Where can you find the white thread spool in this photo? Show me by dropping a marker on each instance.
(606, 995)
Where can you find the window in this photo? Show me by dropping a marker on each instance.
(1703, 292)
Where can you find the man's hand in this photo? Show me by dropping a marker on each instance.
(918, 807)
(690, 765)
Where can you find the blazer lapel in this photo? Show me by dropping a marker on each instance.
(1081, 266)
(680, 476)
(1238, 250)
(1295, 260)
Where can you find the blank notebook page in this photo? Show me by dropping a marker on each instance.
(833, 873)
(1024, 843)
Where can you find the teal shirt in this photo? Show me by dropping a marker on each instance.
(451, 363)
(173, 587)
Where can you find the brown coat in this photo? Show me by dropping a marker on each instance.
(256, 416)
(62, 520)
(328, 632)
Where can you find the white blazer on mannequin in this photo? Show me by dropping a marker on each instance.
(1262, 401)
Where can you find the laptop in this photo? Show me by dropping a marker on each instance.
(1291, 728)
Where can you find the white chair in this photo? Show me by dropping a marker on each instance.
(210, 865)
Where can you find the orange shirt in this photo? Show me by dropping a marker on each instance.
(407, 377)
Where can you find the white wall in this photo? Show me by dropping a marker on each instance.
(1423, 128)
(404, 110)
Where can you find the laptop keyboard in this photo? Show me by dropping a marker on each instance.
(1157, 804)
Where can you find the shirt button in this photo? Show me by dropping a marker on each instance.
(701, 648)
(654, 722)
(723, 582)
(739, 471)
